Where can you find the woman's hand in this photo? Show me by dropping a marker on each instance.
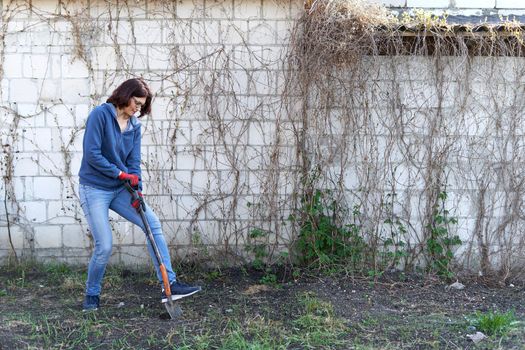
(138, 201)
(132, 178)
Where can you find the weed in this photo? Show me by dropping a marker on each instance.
(18, 282)
(394, 248)
(113, 277)
(269, 279)
(494, 323)
(121, 343)
(322, 240)
(74, 283)
(213, 275)
(440, 243)
(257, 245)
(201, 342)
(57, 269)
(375, 273)
(317, 326)
(255, 337)
(296, 273)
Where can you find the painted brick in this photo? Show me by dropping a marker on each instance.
(105, 10)
(475, 3)
(510, 4)
(272, 9)
(61, 212)
(50, 90)
(159, 58)
(12, 66)
(202, 182)
(261, 32)
(190, 9)
(511, 13)
(233, 32)
(173, 31)
(38, 139)
(164, 206)
(50, 163)
(33, 115)
(61, 116)
(79, 257)
(48, 236)
(261, 83)
(23, 13)
(261, 134)
(75, 236)
(428, 4)
(25, 165)
(123, 233)
(177, 234)
(219, 9)
(139, 238)
(134, 256)
(75, 90)
(23, 90)
(390, 3)
(147, 32)
(17, 237)
(73, 67)
(72, 141)
(105, 58)
(164, 110)
(283, 31)
(46, 188)
(297, 8)
(35, 66)
(4, 91)
(247, 9)
(81, 113)
(179, 181)
(34, 211)
(207, 32)
(19, 184)
(186, 207)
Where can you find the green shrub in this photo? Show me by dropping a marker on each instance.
(322, 240)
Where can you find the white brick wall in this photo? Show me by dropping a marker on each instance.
(510, 4)
(476, 4)
(53, 88)
(428, 4)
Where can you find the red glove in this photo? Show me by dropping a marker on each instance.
(137, 202)
(132, 178)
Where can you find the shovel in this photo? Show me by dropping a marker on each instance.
(173, 309)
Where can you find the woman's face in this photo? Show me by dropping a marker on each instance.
(134, 106)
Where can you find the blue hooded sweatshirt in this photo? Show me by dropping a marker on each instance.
(107, 151)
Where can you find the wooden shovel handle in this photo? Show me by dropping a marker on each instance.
(165, 280)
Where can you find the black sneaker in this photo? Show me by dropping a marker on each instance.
(179, 291)
(91, 303)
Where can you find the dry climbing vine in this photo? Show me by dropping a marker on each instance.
(393, 125)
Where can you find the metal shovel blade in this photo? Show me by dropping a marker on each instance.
(173, 309)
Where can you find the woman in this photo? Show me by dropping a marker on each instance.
(111, 155)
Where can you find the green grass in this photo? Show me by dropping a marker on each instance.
(317, 326)
(494, 323)
(224, 318)
(314, 327)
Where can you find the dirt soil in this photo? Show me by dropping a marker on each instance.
(40, 309)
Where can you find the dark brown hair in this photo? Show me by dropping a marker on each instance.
(136, 87)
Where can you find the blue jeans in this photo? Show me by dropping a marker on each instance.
(96, 204)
